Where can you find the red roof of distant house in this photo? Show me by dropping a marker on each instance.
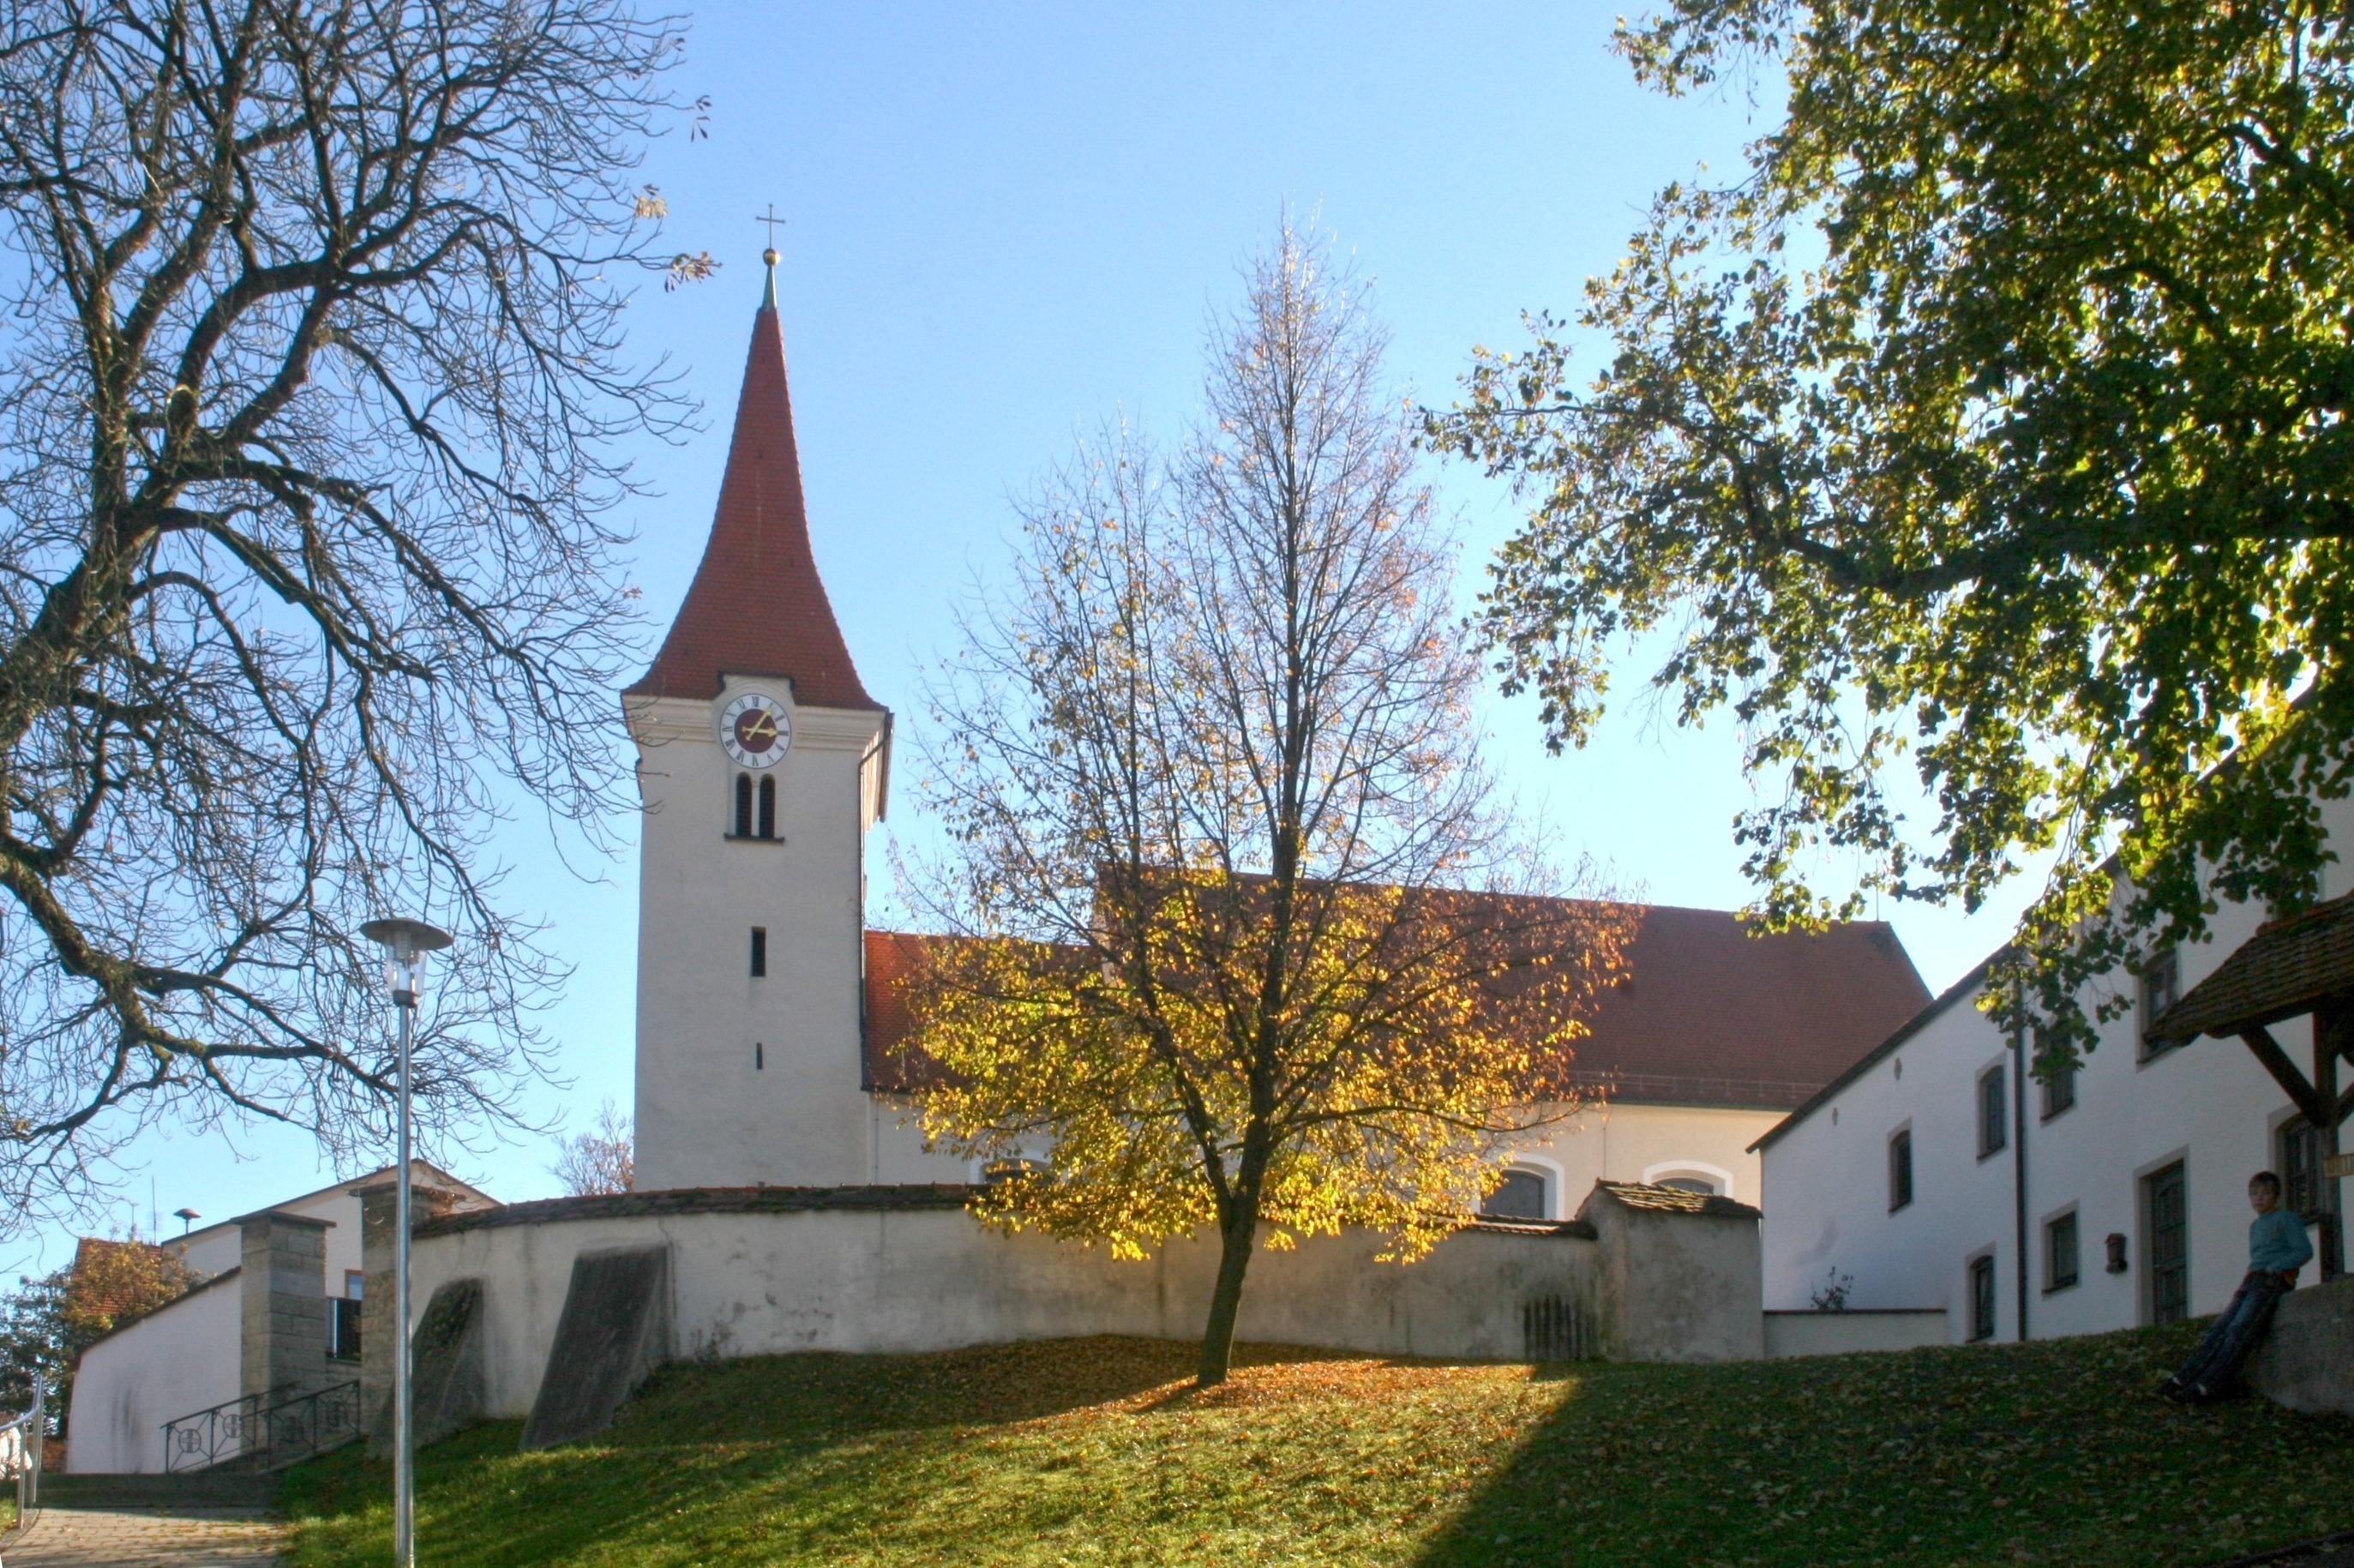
(756, 606)
(1702, 1012)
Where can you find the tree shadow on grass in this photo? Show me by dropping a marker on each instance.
(2052, 1452)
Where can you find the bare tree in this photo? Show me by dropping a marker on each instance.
(1212, 769)
(600, 1160)
(310, 391)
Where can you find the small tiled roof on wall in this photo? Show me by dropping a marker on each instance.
(2287, 968)
(756, 606)
(1702, 1013)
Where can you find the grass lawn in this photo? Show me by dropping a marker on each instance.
(1093, 1451)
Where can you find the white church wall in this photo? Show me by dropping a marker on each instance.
(1631, 1141)
(180, 1359)
(927, 1279)
(745, 1079)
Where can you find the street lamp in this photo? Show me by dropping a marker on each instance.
(405, 943)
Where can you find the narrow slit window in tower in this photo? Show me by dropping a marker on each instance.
(759, 1055)
(759, 952)
(768, 807)
(743, 805)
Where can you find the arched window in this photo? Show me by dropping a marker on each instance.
(743, 805)
(1522, 1197)
(1703, 1185)
(769, 806)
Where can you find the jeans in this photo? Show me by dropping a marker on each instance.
(2215, 1364)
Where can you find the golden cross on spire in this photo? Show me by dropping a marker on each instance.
(774, 223)
(769, 295)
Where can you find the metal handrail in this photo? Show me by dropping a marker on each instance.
(31, 1427)
(283, 1433)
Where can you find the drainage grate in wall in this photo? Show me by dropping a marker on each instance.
(1555, 1329)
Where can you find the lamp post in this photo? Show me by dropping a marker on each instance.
(405, 943)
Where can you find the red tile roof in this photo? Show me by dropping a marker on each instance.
(756, 606)
(1702, 1013)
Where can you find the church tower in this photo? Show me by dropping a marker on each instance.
(761, 765)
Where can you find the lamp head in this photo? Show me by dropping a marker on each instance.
(405, 943)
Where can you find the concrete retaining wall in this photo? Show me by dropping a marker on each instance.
(1843, 1333)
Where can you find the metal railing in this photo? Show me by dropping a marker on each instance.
(22, 1438)
(271, 1432)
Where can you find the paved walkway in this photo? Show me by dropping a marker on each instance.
(143, 1538)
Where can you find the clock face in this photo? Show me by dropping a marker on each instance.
(754, 731)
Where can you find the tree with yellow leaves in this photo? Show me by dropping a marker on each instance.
(1211, 772)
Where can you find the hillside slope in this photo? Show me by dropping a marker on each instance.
(1093, 1452)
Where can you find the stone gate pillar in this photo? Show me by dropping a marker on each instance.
(283, 1304)
(379, 1241)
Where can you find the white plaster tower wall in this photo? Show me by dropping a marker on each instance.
(745, 1079)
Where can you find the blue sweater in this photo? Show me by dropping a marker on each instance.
(2276, 1241)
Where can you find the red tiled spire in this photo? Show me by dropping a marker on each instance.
(757, 606)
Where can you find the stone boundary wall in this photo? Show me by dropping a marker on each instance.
(757, 1271)
(2306, 1362)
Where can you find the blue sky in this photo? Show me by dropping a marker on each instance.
(1004, 226)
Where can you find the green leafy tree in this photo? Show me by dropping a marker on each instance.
(1994, 423)
(46, 1322)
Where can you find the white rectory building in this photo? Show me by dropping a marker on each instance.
(1922, 1177)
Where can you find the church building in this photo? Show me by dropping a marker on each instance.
(770, 1020)
(784, 1199)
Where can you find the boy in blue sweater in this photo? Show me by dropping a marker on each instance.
(2276, 1250)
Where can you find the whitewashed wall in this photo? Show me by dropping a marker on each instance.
(707, 1114)
(927, 1279)
(2208, 1104)
(1633, 1142)
(179, 1358)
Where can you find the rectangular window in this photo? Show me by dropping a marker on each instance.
(355, 1284)
(1899, 1170)
(2060, 1252)
(768, 806)
(343, 1330)
(1982, 1297)
(2167, 1245)
(2059, 1093)
(1993, 1132)
(2161, 986)
(2298, 1158)
(743, 805)
(759, 952)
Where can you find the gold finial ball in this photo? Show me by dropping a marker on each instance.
(770, 255)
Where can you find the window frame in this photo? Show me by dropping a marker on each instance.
(2167, 964)
(1993, 1117)
(2052, 1282)
(1985, 1325)
(1543, 1179)
(759, 952)
(2059, 1094)
(2297, 1156)
(1901, 1187)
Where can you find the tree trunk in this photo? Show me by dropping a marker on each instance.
(1225, 1302)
